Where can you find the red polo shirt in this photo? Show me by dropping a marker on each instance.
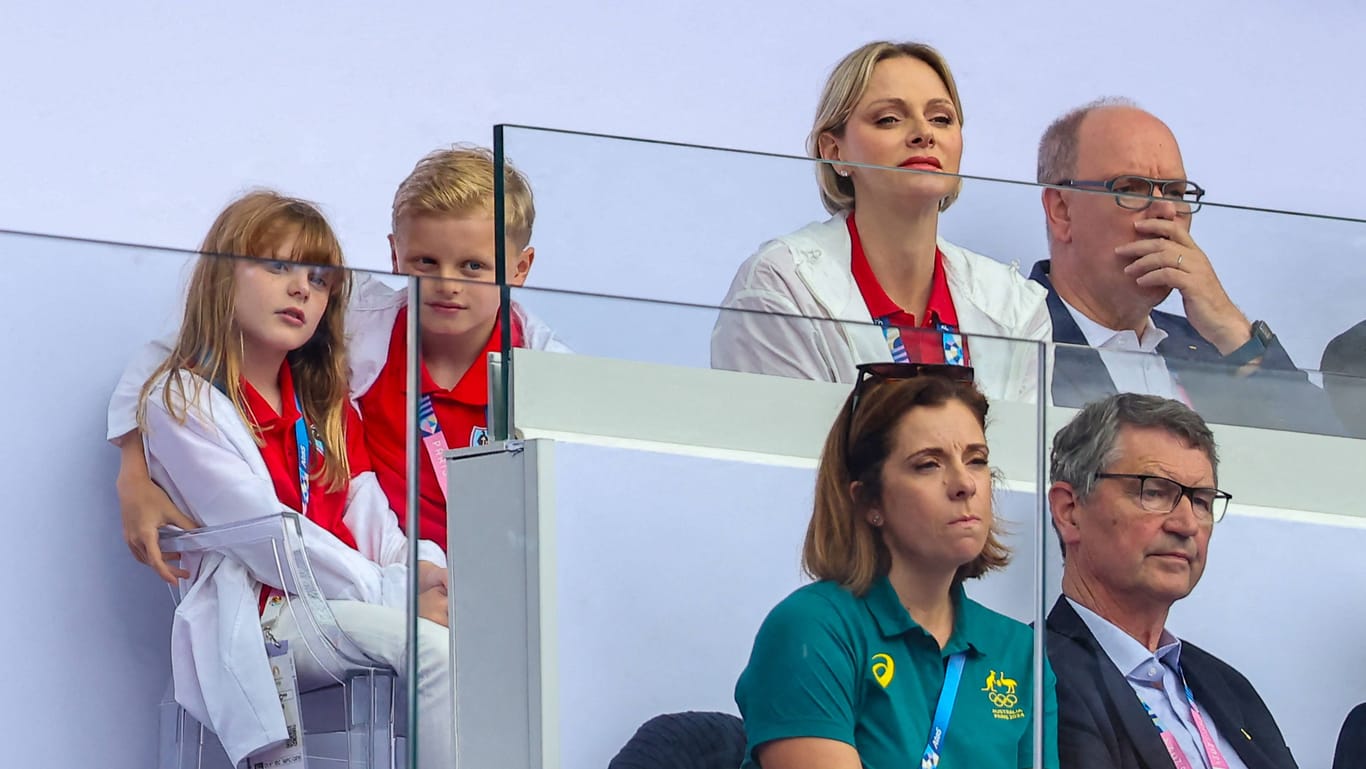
(461, 413)
(921, 346)
(280, 453)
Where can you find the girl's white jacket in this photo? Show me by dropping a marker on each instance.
(794, 310)
(213, 471)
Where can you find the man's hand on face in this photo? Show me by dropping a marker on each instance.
(1168, 257)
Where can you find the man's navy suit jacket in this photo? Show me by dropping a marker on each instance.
(1276, 396)
(1102, 723)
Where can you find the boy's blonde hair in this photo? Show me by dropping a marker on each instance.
(458, 182)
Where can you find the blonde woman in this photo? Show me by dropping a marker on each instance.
(875, 282)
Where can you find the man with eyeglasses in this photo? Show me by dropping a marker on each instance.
(1119, 232)
(1134, 499)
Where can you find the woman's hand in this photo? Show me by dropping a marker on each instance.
(145, 508)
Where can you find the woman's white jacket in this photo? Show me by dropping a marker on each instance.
(794, 310)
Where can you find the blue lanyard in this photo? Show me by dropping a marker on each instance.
(953, 345)
(953, 675)
(426, 416)
(301, 442)
(950, 340)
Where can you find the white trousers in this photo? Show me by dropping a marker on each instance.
(380, 631)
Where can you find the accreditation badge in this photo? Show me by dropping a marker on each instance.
(289, 753)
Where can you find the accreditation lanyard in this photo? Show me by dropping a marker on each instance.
(302, 444)
(953, 675)
(432, 439)
(1216, 758)
(950, 340)
(272, 599)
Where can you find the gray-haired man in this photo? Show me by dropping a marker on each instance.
(1119, 239)
(1134, 498)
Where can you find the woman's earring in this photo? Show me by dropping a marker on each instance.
(877, 520)
(842, 172)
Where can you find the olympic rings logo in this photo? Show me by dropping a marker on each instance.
(1003, 700)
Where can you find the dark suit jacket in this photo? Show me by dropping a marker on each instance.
(1351, 750)
(1276, 396)
(691, 740)
(1102, 724)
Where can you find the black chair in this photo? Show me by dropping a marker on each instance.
(1344, 378)
(1351, 752)
(691, 740)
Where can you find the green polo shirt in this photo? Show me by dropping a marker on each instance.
(829, 664)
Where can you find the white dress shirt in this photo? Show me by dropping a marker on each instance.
(1131, 360)
(1155, 680)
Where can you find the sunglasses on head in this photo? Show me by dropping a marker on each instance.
(877, 372)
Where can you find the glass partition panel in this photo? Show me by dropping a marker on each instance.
(1347, 394)
(662, 519)
(1269, 393)
(711, 227)
(1118, 265)
(1273, 427)
(1285, 547)
(260, 333)
(652, 220)
(96, 627)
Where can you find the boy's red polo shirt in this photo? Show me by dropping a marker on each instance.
(461, 413)
(280, 452)
(921, 346)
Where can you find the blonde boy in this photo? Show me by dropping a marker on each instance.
(444, 233)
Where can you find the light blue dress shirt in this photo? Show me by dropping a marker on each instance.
(1154, 679)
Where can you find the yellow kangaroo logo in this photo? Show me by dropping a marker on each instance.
(997, 681)
(1000, 690)
(883, 669)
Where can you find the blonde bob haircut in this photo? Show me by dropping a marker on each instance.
(846, 86)
(841, 545)
(458, 181)
(210, 344)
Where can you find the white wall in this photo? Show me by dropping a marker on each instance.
(135, 121)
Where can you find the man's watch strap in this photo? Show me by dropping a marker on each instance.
(1254, 348)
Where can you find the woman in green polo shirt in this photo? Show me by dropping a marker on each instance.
(884, 663)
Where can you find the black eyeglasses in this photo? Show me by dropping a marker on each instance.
(1136, 193)
(1161, 495)
(871, 372)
